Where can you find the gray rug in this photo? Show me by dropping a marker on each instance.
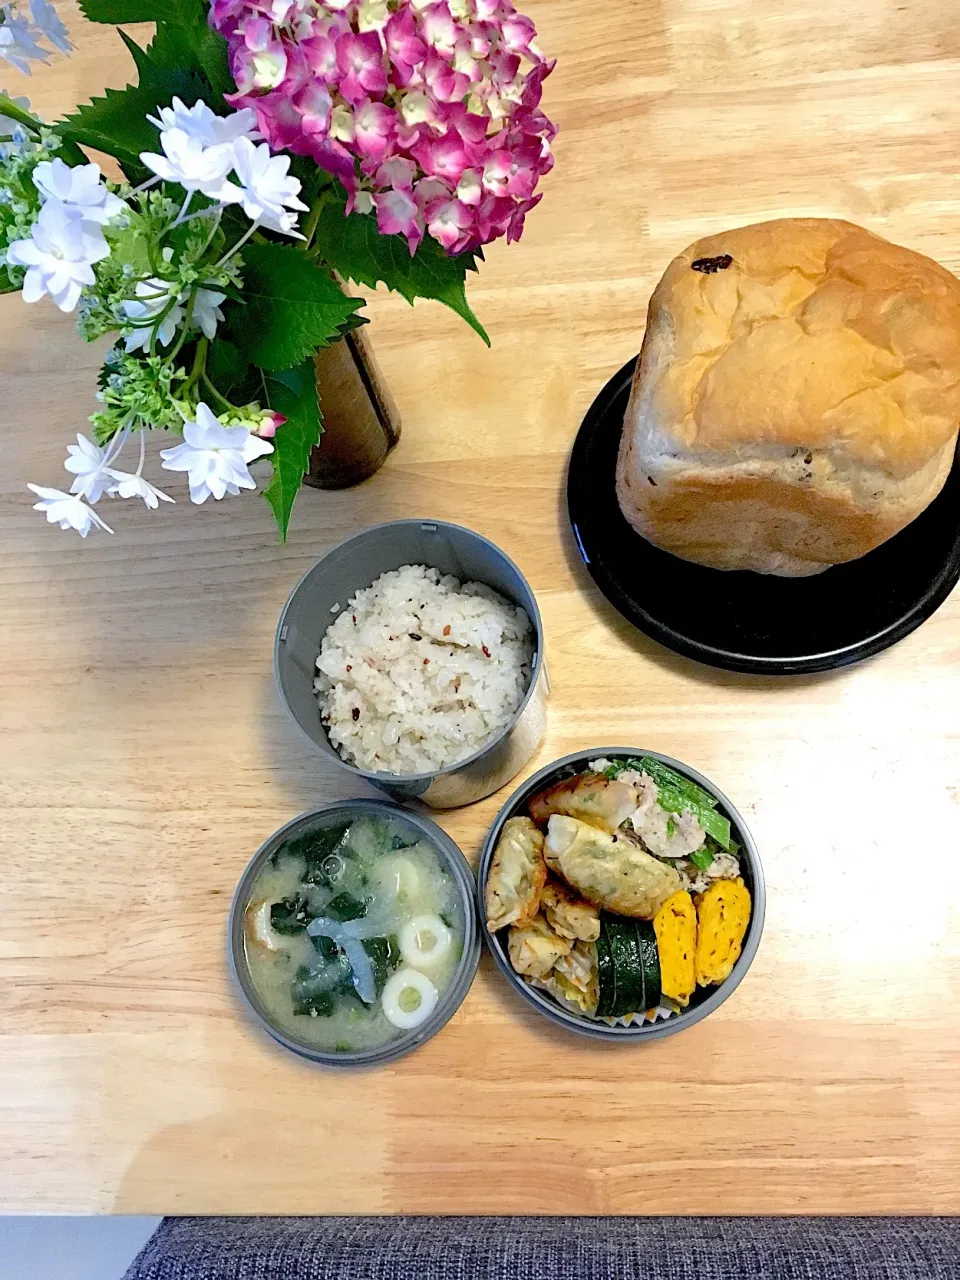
(551, 1249)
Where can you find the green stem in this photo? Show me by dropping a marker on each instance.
(222, 398)
(236, 248)
(199, 365)
(313, 217)
(183, 332)
(10, 109)
(213, 231)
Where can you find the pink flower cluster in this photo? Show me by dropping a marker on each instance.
(428, 111)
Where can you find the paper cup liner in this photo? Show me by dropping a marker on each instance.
(664, 1010)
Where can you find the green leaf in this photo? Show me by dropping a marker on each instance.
(702, 858)
(163, 82)
(294, 394)
(355, 248)
(211, 51)
(185, 41)
(227, 367)
(119, 11)
(117, 123)
(293, 307)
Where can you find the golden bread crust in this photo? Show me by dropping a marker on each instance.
(794, 408)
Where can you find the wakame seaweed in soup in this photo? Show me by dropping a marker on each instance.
(352, 934)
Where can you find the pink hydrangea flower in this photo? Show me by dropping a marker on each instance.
(427, 111)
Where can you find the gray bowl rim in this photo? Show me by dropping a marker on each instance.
(416, 779)
(541, 1000)
(449, 853)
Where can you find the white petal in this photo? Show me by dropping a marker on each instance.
(254, 447)
(33, 286)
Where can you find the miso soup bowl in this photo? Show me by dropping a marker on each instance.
(452, 860)
(356, 563)
(705, 1000)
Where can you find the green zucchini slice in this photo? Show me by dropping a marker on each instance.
(650, 964)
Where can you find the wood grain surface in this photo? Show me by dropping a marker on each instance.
(145, 756)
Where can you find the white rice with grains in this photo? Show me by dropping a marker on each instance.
(419, 672)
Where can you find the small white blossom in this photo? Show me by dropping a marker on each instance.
(78, 189)
(47, 21)
(59, 256)
(18, 43)
(130, 485)
(266, 192)
(215, 457)
(189, 163)
(67, 509)
(87, 462)
(203, 124)
(153, 297)
(206, 310)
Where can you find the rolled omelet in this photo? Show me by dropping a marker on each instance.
(675, 925)
(609, 870)
(723, 913)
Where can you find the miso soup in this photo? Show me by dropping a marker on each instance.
(353, 933)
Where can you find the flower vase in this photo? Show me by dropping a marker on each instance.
(361, 423)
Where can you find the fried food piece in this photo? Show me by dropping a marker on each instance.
(611, 871)
(574, 977)
(675, 925)
(603, 802)
(517, 875)
(567, 914)
(534, 948)
(723, 913)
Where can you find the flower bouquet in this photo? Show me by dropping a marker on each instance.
(271, 151)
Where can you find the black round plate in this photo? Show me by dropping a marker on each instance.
(751, 621)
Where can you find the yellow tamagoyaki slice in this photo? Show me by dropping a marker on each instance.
(723, 913)
(675, 925)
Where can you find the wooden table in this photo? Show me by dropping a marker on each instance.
(145, 755)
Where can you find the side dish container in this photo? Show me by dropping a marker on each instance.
(354, 564)
(452, 861)
(706, 999)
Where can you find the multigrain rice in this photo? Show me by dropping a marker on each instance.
(419, 672)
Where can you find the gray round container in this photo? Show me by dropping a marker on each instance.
(703, 1003)
(452, 998)
(354, 564)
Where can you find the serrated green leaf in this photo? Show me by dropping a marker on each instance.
(115, 12)
(294, 394)
(163, 82)
(211, 51)
(293, 307)
(185, 42)
(117, 123)
(227, 367)
(357, 250)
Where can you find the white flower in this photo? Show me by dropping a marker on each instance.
(59, 256)
(17, 42)
(47, 21)
(87, 462)
(79, 190)
(154, 297)
(215, 457)
(130, 485)
(203, 124)
(67, 509)
(189, 163)
(206, 310)
(265, 192)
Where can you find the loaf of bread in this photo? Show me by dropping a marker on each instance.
(797, 398)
